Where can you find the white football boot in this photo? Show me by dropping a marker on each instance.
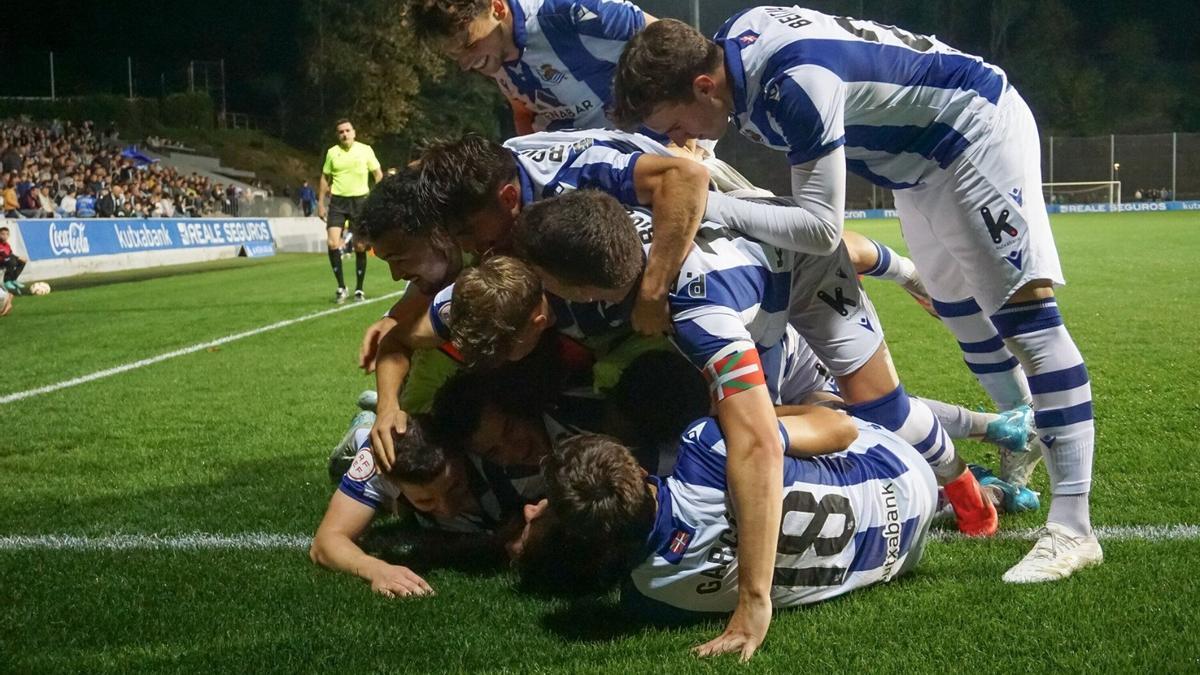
(1058, 554)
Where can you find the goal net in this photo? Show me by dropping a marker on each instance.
(1093, 192)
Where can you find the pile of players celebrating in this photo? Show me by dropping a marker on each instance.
(618, 363)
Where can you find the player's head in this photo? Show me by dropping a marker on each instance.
(480, 413)
(477, 34)
(345, 132)
(597, 514)
(400, 222)
(432, 479)
(652, 417)
(670, 78)
(478, 177)
(583, 245)
(498, 312)
(3, 234)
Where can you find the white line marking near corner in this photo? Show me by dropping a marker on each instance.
(109, 372)
(267, 541)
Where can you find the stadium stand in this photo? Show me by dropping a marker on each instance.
(63, 169)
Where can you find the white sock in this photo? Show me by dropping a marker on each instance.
(985, 353)
(1062, 403)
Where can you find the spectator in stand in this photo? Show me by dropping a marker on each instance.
(28, 201)
(11, 158)
(85, 205)
(66, 205)
(308, 199)
(46, 205)
(10, 197)
(106, 205)
(231, 196)
(11, 263)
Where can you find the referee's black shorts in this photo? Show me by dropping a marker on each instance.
(344, 211)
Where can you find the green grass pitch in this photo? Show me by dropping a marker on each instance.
(233, 439)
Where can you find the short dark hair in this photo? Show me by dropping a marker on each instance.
(342, 121)
(658, 66)
(418, 459)
(444, 18)
(401, 202)
(583, 238)
(492, 304)
(459, 403)
(3, 229)
(638, 396)
(601, 513)
(468, 171)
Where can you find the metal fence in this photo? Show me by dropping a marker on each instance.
(1149, 166)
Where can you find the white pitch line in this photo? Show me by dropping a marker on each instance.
(1150, 533)
(197, 541)
(109, 372)
(264, 541)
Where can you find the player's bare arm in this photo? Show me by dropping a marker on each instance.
(391, 369)
(334, 546)
(677, 190)
(322, 192)
(406, 312)
(755, 471)
(815, 430)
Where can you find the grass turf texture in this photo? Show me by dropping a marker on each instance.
(234, 440)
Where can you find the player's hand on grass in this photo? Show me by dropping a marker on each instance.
(5, 304)
(369, 349)
(389, 425)
(395, 581)
(651, 316)
(746, 631)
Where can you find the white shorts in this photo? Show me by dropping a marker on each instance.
(832, 312)
(979, 227)
(803, 374)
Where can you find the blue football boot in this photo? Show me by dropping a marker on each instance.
(1010, 498)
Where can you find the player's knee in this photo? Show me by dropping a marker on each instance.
(1035, 289)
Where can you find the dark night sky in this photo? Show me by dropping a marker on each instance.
(262, 38)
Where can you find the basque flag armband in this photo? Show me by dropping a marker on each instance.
(734, 369)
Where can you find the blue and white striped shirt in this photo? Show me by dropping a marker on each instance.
(569, 51)
(903, 105)
(850, 519)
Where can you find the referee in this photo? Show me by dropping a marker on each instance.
(344, 176)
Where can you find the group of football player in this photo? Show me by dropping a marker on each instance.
(626, 365)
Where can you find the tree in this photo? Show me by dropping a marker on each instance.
(366, 65)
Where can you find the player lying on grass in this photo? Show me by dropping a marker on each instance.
(957, 145)
(734, 297)
(857, 501)
(464, 181)
(494, 309)
(443, 489)
(724, 306)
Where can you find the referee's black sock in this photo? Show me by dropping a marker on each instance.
(360, 269)
(335, 261)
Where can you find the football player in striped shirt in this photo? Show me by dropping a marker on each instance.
(857, 503)
(444, 490)
(733, 296)
(552, 59)
(958, 146)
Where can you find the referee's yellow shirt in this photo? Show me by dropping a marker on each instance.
(349, 169)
